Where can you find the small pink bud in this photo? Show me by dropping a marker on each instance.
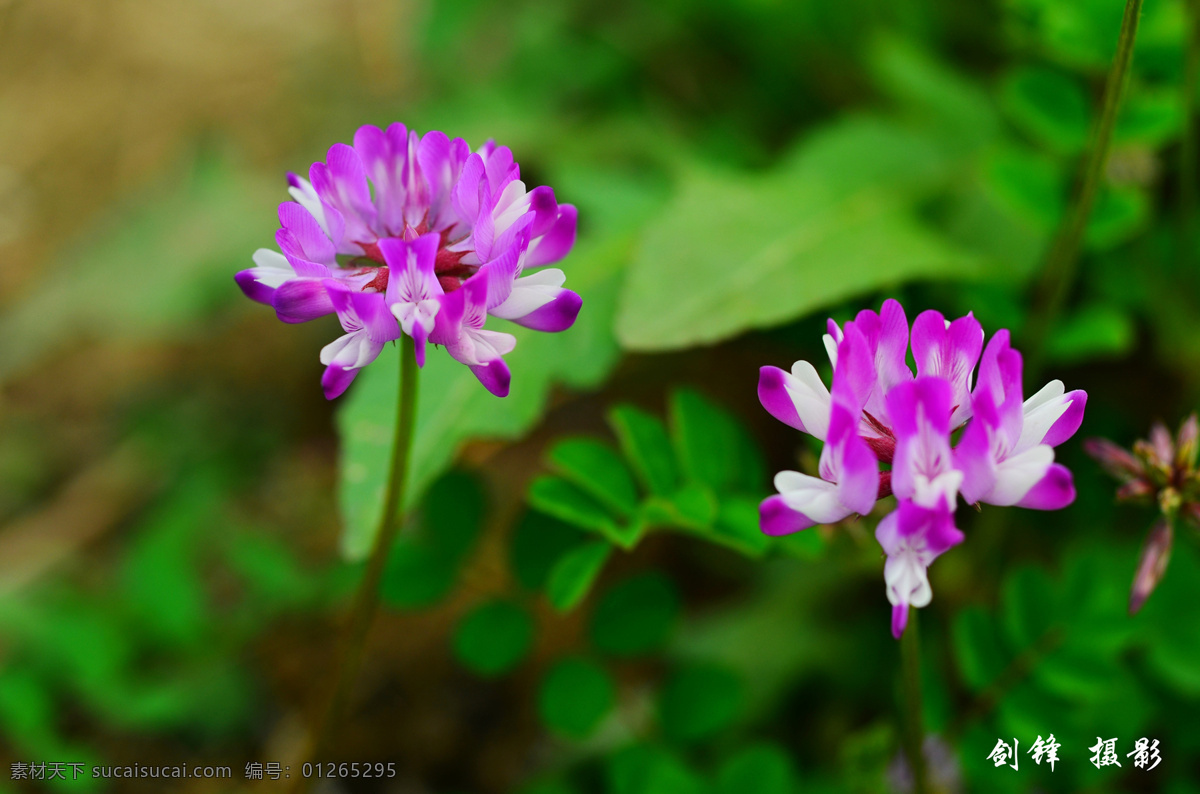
(1135, 490)
(1117, 461)
(1156, 553)
(1186, 446)
(1163, 443)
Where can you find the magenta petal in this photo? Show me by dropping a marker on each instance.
(468, 193)
(858, 487)
(1054, 491)
(419, 338)
(494, 376)
(899, 619)
(254, 289)
(557, 242)
(973, 455)
(1069, 422)
(774, 397)
(301, 300)
(336, 380)
(306, 234)
(854, 376)
(557, 315)
(776, 518)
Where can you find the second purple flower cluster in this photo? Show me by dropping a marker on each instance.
(878, 413)
(448, 237)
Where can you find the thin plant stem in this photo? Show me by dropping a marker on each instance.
(1058, 275)
(1187, 146)
(914, 721)
(366, 599)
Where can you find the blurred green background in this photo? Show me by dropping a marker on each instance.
(180, 510)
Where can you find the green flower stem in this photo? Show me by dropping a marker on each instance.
(914, 722)
(366, 599)
(1187, 148)
(1058, 275)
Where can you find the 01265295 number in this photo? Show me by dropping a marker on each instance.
(344, 770)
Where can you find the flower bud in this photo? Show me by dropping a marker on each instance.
(1156, 553)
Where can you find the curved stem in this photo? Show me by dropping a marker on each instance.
(1187, 147)
(1058, 275)
(914, 721)
(366, 599)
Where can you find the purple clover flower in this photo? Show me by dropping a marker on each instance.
(447, 237)
(879, 412)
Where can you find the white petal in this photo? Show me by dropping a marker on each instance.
(265, 257)
(907, 579)
(810, 398)
(531, 293)
(1041, 411)
(333, 350)
(815, 498)
(831, 346)
(1015, 475)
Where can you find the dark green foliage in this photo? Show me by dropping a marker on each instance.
(424, 563)
(493, 638)
(635, 616)
(575, 695)
(698, 701)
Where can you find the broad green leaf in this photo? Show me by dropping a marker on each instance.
(1094, 331)
(493, 638)
(1026, 182)
(733, 253)
(934, 93)
(598, 469)
(1048, 104)
(635, 615)
(713, 448)
(762, 769)
(575, 696)
(572, 576)
(698, 701)
(644, 441)
(539, 542)
(452, 407)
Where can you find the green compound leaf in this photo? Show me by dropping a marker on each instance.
(763, 769)
(575, 696)
(597, 469)
(539, 542)
(713, 447)
(423, 565)
(573, 575)
(635, 616)
(646, 445)
(1049, 105)
(493, 638)
(567, 502)
(699, 701)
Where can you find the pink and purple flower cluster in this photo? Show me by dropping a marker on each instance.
(447, 237)
(879, 413)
